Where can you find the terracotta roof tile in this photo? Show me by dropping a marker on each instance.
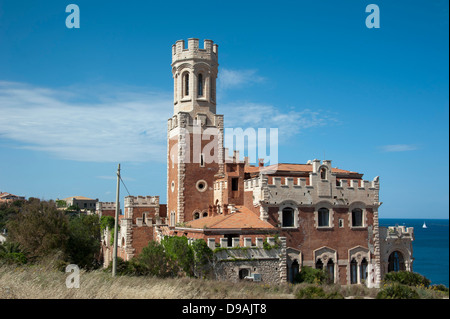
(242, 218)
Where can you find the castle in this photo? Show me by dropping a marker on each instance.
(323, 217)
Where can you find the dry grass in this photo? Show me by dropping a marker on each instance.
(41, 282)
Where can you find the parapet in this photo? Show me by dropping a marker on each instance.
(208, 52)
(395, 232)
(105, 206)
(259, 242)
(136, 201)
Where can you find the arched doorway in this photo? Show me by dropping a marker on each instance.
(243, 273)
(293, 271)
(396, 262)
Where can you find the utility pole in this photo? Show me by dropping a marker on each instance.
(116, 224)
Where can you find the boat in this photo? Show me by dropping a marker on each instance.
(424, 225)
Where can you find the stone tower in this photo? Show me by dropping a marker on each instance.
(194, 133)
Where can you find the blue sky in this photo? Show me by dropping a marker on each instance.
(76, 102)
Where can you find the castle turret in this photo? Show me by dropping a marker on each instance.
(195, 71)
(195, 132)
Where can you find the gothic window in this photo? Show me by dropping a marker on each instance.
(396, 262)
(186, 84)
(319, 264)
(330, 270)
(200, 85)
(288, 217)
(353, 271)
(363, 269)
(357, 217)
(324, 217)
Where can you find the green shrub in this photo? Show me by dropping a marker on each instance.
(311, 275)
(317, 292)
(203, 258)
(439, 288)
(154, 261)
(407, 278)
(178, 250)
(11, 253)
(83, 244)
(397, 291)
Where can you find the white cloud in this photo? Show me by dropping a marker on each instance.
(398, 148)
(119, 126)
(289, 123)
(238, 78)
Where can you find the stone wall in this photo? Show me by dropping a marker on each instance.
(270, 263)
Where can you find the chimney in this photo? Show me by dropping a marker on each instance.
(261, 162)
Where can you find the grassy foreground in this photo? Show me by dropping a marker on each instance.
(44, 282)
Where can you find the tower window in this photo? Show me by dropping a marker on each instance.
(235, 184)
(357, 217)
(323, 173)
(288, 217)
(324, 217)
(200, 85)
(186, 84)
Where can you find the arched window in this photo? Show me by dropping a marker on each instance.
(324, 217)
(357, 217)
(363, 269)
(330, 270)
(353, 271)
(319, 264)
(396, 262)
(196, 215)
(186, 84)
(200, 85)
(288, 217)
(205, 214)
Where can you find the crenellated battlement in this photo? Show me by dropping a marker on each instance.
(259, 242)
(193, 50)
(315, 188)
(394, 232)
(105, 206)
(136, 201)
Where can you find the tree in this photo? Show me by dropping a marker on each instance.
(178, 249)
(156, 261)
(83, 244)
(203, 258)
(39, 228)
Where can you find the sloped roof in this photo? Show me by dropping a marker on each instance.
(242, 218)
(77, 197)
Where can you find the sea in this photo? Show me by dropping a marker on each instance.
(430, 247)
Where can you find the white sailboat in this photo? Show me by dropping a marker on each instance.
(424, 225)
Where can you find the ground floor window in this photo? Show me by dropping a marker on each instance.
(330, 270)
(363, 269)
(243, 273)
(353, 272)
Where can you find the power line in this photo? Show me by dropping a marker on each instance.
(124, 185)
